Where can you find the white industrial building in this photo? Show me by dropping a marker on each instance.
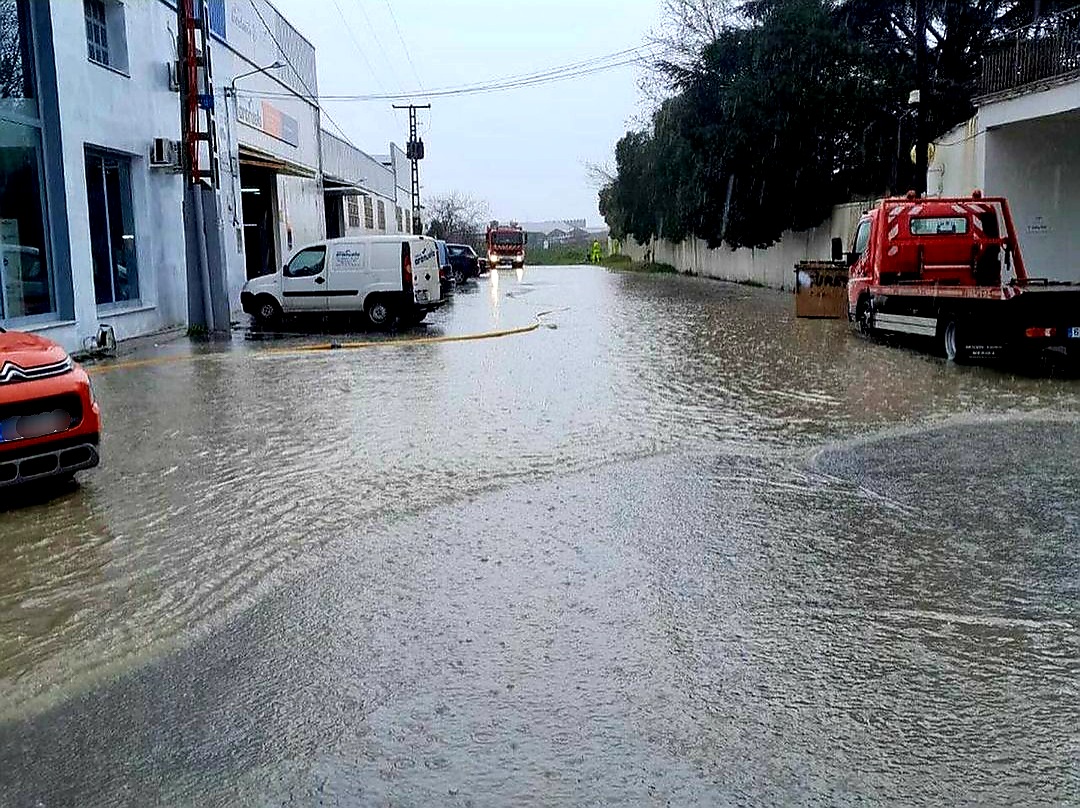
(1024, 143)
(89, 86)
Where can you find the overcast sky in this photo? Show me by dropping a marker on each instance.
(524, 151)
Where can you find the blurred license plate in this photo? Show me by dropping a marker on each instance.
(422, 296)
(1074, 332)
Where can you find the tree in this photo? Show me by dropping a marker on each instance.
(780, 109)
(456, 216)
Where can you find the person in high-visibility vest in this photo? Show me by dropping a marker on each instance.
(596, 253)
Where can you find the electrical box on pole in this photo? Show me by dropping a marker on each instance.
(414, 150)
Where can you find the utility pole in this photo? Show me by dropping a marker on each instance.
(414, 150)
(922, 145)
(210, 306)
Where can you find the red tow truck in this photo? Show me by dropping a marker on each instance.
(951, 269)
(506, 245)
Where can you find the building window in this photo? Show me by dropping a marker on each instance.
(382, 216)
(106, 42)
(400, 214)
(369, 213)
(408, 222)
(353, 204)
(16, 61)
(26, 278)
(97, 31)
(112, 227)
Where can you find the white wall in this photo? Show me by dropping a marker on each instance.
(773, 267)
(1027, 149)
(123, 113)
(1036, 164)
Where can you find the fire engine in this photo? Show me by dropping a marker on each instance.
(506, 245)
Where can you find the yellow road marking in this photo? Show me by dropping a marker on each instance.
(319, 348)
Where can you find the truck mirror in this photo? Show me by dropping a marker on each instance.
(526, 238)
(838, 249)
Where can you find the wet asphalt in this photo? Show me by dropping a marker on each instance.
(673, 547)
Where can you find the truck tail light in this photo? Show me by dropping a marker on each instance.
(406, 267)
(1040, 333)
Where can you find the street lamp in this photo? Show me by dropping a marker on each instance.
(232, 84)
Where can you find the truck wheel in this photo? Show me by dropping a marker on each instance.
(379, 312)
(952, 337)
(267, 311)
(864, 316)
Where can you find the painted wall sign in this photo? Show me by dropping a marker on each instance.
(267, 118)
(1038, 226)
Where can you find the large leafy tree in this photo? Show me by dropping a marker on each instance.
(791, 106)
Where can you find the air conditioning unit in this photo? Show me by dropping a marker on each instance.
(165, 153)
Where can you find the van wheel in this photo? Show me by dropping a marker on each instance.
(379, 312)
(267, 311)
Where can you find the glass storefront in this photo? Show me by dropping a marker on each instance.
(26, 288)
(112, 227)
(26, 272)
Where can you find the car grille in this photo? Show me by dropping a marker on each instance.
(10, 373)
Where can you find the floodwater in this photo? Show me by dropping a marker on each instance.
(672, 547)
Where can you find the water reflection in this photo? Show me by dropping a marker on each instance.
(226, 476)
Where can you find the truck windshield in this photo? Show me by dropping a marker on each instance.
(508, 239)
(939, 226)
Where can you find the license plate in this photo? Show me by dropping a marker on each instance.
(1074, 332)
(422, 296)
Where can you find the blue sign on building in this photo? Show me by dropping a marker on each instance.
(217, 17)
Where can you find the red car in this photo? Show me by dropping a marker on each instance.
(49, 421)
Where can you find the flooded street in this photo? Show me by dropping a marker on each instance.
(673, 546)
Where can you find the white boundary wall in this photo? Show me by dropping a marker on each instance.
(774, 266)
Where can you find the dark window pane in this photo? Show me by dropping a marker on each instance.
(97, 37)
(99, 228)
(16, 60)
(26, 287)
(112, 228)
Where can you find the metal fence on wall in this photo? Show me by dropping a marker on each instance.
(1047, 49)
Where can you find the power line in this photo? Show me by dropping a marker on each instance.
(404, 47)
(360, 48)
(563, 73)
(378, 43)
(314, 99)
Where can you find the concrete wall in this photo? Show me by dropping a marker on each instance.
(1036, 164)
(122, 112)
(773, 267)
(1025, 147)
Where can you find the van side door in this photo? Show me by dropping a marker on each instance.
(349, 276)
(303, 280)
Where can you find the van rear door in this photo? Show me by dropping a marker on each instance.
(425, 270)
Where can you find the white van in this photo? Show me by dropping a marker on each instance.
(388, 278)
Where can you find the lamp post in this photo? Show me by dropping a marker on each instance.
(231, 89)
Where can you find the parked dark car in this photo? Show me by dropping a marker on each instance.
(464, 261)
